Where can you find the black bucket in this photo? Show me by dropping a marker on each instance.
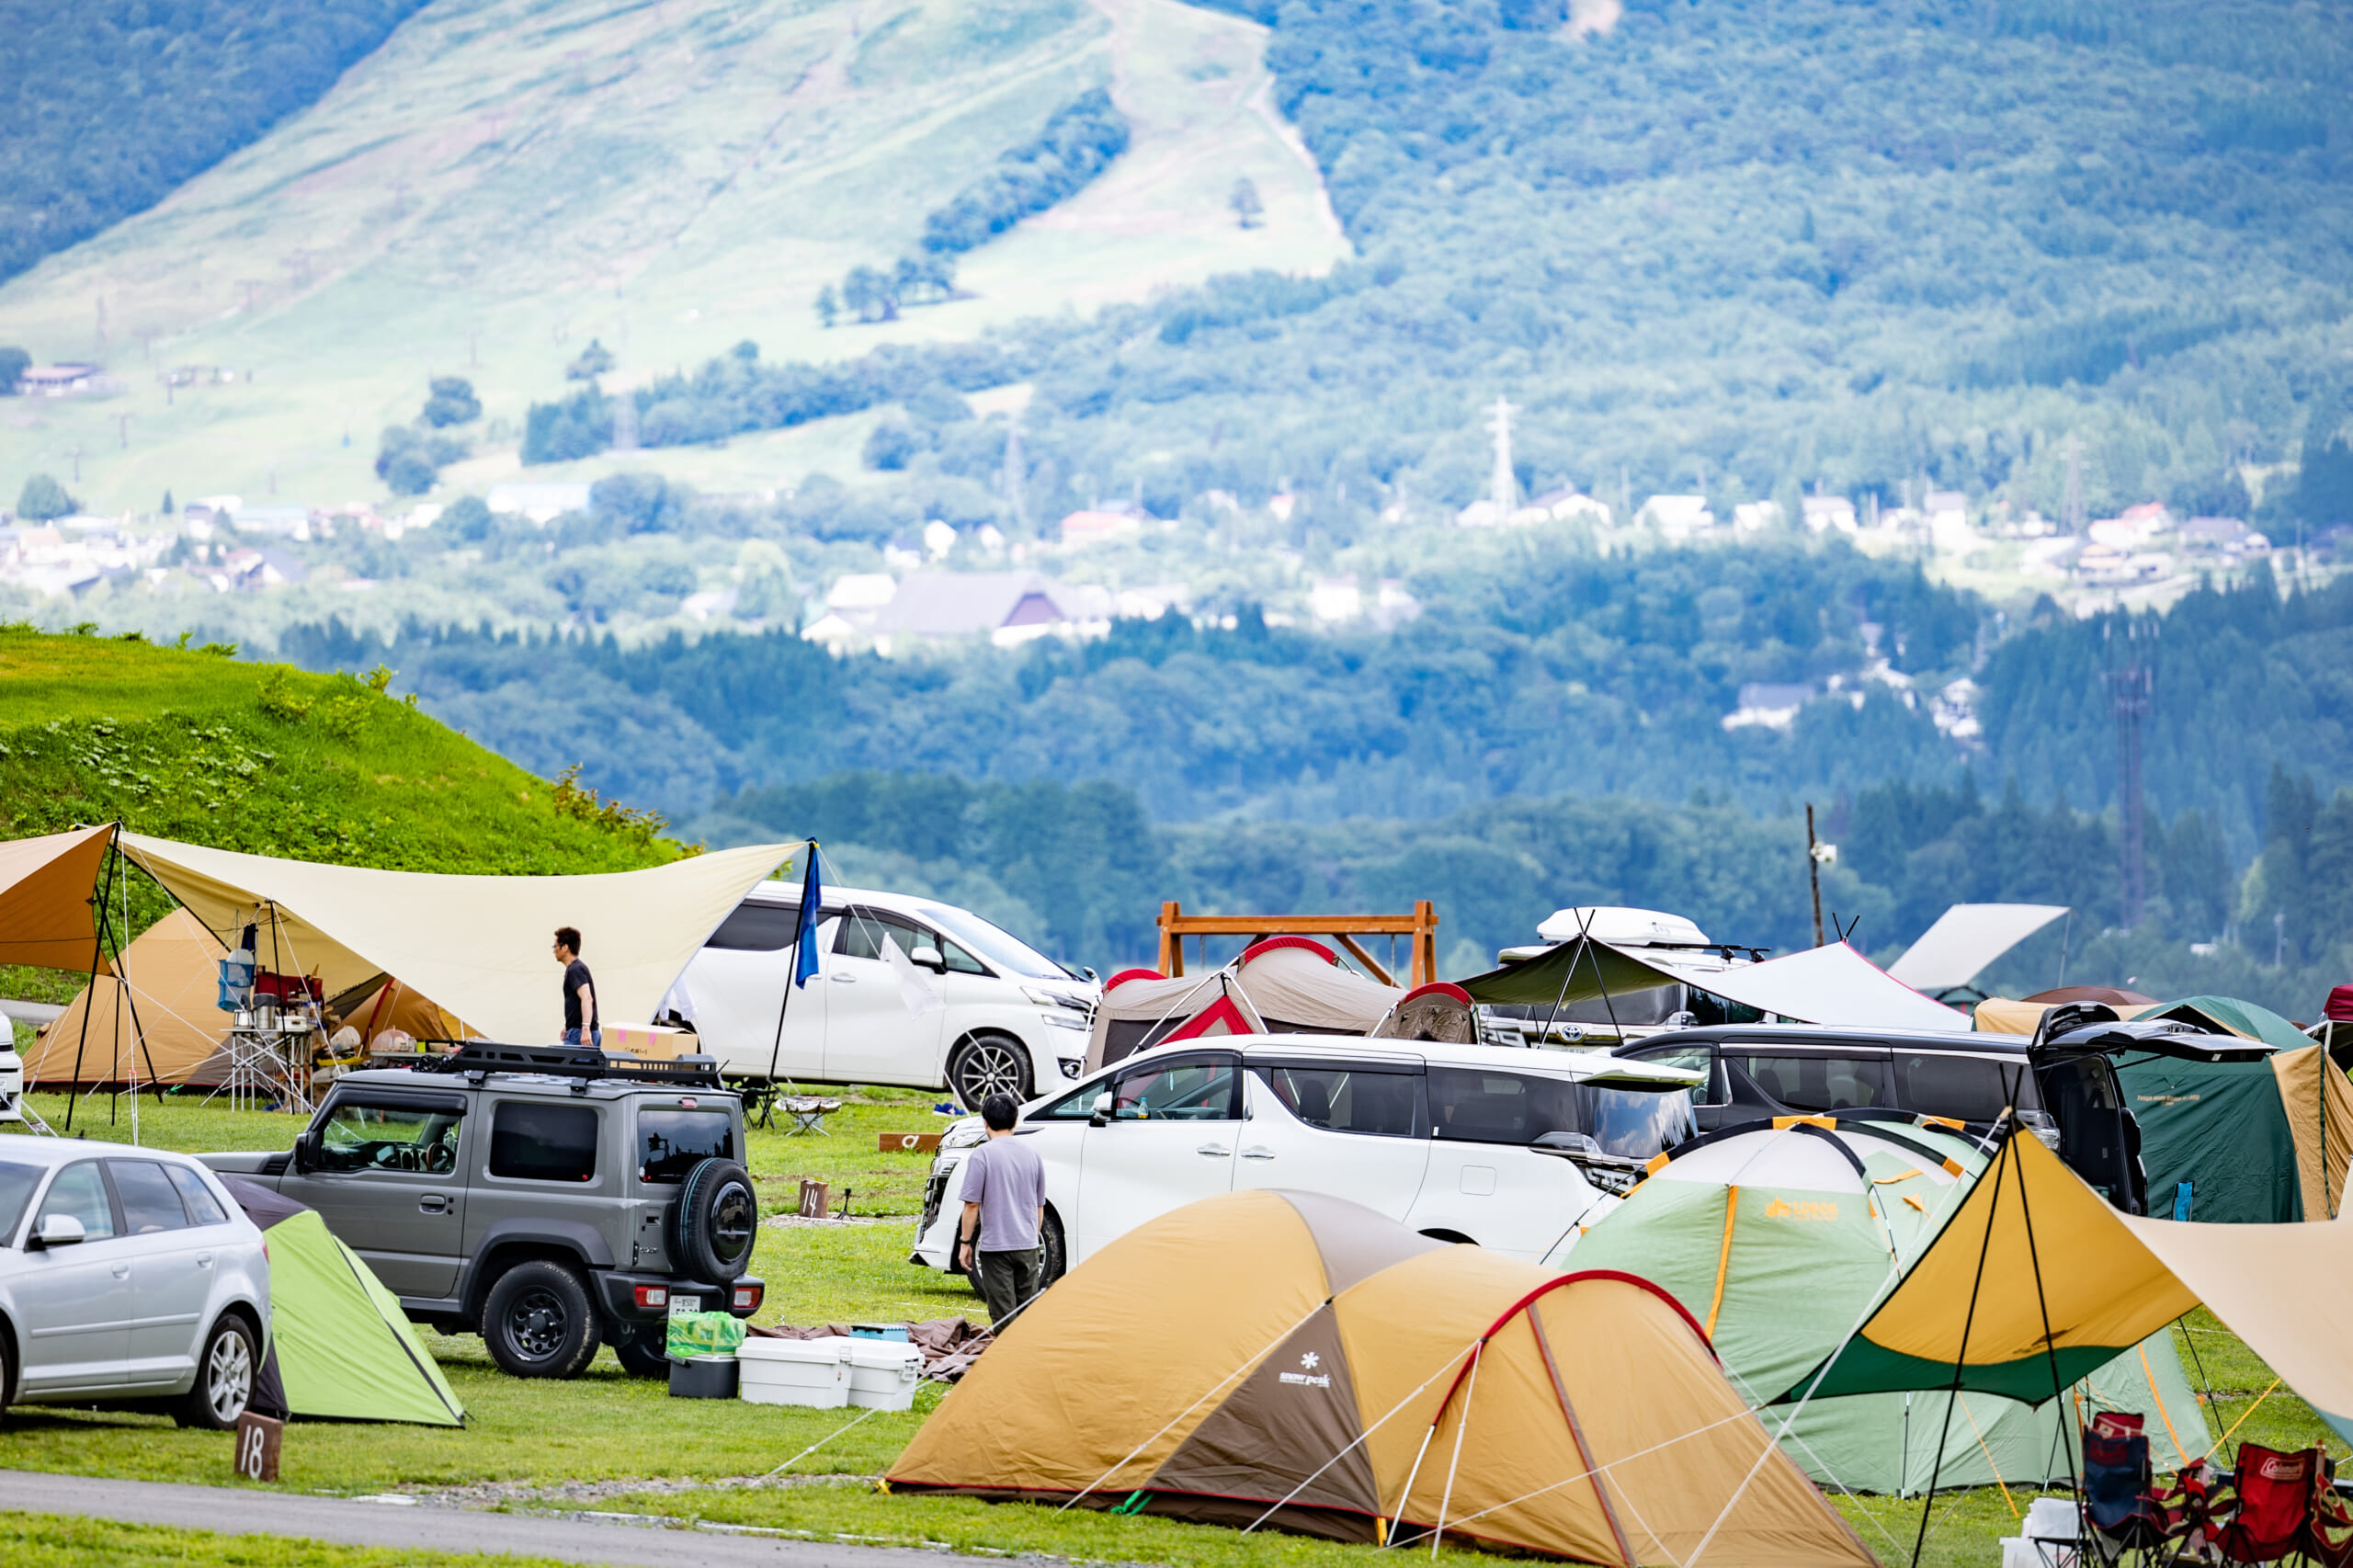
(705, 1377)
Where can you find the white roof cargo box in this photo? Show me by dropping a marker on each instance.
(1623, 928)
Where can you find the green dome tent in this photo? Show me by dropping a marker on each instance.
(1777, 1239)
(341, 1348)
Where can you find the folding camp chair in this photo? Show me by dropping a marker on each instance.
(2285, 1506)
(2128, 1519)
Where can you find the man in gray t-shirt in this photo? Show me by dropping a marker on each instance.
(1004, 1208)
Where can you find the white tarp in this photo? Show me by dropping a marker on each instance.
(1967, 937)
(479, 946)
(1834, 986)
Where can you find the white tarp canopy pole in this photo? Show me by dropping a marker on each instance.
(478, 945)
(1967, 937)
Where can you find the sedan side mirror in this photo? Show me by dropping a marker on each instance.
(58, 1231)
(928, 956)
(1101, 1114)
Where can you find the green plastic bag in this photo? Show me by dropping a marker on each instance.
(703, 1334)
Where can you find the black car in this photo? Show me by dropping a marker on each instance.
(2065, 1092)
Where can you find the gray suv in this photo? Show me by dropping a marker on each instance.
(547, 1199)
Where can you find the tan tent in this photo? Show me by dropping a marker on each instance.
(45, 888)
(476, 945)
(1296, 1360)
(173, 971)
(2319, 1103)
(1281, 985)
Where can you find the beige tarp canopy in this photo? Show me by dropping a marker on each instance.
(479, 946)
(46, 886)
(174, 973)
(1833, 984)
(1965, 939)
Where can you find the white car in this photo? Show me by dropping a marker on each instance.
(126, 1274)
(961, 1005)
(1505, 1147)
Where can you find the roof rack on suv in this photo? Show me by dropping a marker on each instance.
(477, 1056)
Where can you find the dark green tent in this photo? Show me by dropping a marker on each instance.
(2218, 1130)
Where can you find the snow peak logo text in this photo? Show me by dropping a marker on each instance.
(1307, 1379)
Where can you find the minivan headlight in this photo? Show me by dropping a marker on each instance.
(1045, 998)
(964, 1134)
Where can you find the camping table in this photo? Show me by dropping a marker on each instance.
(270, 1066)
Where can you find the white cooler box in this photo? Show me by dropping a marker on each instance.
(880, 1374)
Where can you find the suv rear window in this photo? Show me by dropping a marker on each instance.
(1819, 1083)
(672, 1143)
(543, 1142)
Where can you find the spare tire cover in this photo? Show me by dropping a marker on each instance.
(714, 1222)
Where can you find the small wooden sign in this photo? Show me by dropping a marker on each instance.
(817, 1198)
(909, 1143)
(257, 1451)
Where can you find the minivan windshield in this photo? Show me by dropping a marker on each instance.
(1000, 947)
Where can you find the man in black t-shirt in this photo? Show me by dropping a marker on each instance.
(580, 1024)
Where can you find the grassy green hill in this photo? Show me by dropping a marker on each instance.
(264, 758)
(503, 179)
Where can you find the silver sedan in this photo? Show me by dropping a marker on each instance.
(126, 1274)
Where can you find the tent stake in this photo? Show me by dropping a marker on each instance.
(1969, 1320)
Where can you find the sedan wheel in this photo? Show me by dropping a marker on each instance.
(990, 1065)
(224, 1379)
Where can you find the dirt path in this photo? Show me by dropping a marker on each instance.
(406, 1524)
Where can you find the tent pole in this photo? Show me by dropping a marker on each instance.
(1566, 975)
(2058, 1390)
(129, 1000)
(1969, 1321)
(89, 992)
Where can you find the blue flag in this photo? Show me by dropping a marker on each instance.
(804, 957)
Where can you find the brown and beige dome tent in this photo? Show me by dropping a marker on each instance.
(1298, 1361)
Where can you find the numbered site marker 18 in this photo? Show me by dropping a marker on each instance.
(256, 1453)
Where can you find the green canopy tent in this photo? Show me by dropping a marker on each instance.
(341, 1348)
(1778, 1239)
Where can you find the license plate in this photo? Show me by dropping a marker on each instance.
(684, 1303)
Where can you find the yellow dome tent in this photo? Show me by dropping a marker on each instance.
(1293, 1359)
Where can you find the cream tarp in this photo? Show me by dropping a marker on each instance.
(1965, 939)
(45, 889)
(479, 946)
(2280, 1287)
(1834, 986)
(173, 971)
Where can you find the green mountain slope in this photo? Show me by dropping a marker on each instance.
(505, 179)
(109, 106)
(278, 761)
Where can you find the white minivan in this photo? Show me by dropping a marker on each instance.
(909, 991)
(1505, 1147)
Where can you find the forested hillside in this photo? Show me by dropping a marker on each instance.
(106, 105)
(1751, 246)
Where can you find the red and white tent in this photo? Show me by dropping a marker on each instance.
(1281, 985)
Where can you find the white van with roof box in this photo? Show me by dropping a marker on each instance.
(909, 991)
(1505, 1147)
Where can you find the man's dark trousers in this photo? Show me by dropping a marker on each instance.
(1008, 1281)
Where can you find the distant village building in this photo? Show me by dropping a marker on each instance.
(1755, 517)
(1334, 598)
(1677, 516)
(1103, 520)
(64, 379)
(541, 502)
(1769, 705)
(1824, 513)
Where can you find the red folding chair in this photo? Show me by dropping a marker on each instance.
(2286, 1505)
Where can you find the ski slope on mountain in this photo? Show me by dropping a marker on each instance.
(505, 179)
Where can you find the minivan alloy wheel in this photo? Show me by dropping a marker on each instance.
(988, 1065)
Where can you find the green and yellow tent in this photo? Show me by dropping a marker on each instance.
(341, 1348)
(1778, 1239)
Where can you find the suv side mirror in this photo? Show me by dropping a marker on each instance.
(58, 1231)
(1101, 1114)
(928, 956)
(306, 1150)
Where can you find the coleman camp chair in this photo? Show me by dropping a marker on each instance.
(2287, 1507)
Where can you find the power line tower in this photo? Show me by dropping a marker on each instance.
(1501, 488)
(2132, 685)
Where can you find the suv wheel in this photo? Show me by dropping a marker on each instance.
(642, 1348)
(224, 1378)
(1051, 1268)
(714, 1222)
(988, 1064)
(538, 1323)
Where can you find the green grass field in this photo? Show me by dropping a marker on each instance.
(614, 1443)
(500, 181)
